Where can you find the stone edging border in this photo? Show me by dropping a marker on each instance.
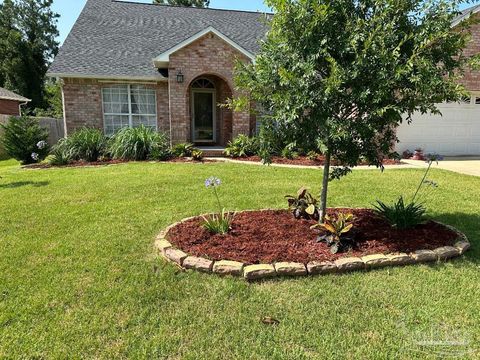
(342, 265)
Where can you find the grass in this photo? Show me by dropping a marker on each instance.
(79, 277)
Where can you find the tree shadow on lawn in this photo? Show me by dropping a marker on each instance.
(17, 184)
(469, 224)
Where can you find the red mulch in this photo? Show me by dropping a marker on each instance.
(271, 236)
(75, 164)
(104, 163)
(304, 161)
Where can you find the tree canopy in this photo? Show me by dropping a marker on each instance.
(341, 75)
(194, 3)
(28, 31)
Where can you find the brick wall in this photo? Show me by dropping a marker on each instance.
(471, 79)
(83, 103)
(211, 56)
(9, 107)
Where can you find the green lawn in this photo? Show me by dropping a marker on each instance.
(79, 276)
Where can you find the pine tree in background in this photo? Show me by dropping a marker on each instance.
(193, 3)
(28, 31)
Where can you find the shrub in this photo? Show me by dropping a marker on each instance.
(406, 216)
(337, 229)
(183, 150)
(61, 153)
(289, 153)
(401, 215)
(242, 146)
(86, 144)
(140, 143)
(303, 205)
(312, 155)
(217, 223)
(197, 155)
(25, 140)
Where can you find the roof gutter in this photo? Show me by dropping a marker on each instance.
(110, 77)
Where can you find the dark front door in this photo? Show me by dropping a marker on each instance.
(203, 106)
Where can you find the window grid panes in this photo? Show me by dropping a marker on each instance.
(128, 106)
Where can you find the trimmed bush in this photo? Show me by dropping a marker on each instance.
(138, 144)
(25, 140)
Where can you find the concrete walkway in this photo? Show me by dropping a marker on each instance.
(461, 165)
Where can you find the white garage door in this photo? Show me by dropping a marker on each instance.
(457, 132)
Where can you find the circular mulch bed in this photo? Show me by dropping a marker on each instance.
(270, 241)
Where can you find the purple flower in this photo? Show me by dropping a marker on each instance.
(42, 145)
(35, 156)
(434, 157)
(212, 182)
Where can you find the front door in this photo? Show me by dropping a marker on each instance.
(203, 114)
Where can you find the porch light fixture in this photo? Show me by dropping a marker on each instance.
(180, 77)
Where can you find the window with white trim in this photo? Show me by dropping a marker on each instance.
(128, 106)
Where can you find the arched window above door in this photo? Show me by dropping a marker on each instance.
(203, 84)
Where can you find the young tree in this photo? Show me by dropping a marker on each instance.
(194, 3)
(28, 30)
(343, 74)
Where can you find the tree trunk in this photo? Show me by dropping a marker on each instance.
(326, 176)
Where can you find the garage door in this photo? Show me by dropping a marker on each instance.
(457, 132)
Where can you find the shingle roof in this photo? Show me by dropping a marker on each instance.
(120, 39)
(466, 13)
(10, 95)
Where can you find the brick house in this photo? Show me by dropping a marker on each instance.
(11, 103)
(126, 64)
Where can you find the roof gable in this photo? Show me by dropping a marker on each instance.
(10, 95)
(163, 59)
(114, 39)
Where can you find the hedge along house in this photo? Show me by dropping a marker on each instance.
(126, 64)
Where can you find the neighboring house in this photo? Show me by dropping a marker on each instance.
(11, 103)
(457, 132)
(126, 64)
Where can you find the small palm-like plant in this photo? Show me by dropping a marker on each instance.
(337, 229)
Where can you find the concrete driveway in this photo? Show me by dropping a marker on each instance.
(461, 165)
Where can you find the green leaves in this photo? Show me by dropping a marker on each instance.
(21, 138)
(336, 229)
(304, 205)
(401, 215)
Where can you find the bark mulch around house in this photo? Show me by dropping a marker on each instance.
(304, 161)
(106, 163)
(274, 235)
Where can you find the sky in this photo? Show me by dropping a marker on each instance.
(69, 10)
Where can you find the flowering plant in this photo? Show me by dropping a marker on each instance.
(405, 215)
(217, 223)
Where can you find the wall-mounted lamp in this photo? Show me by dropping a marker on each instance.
(180, 77)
